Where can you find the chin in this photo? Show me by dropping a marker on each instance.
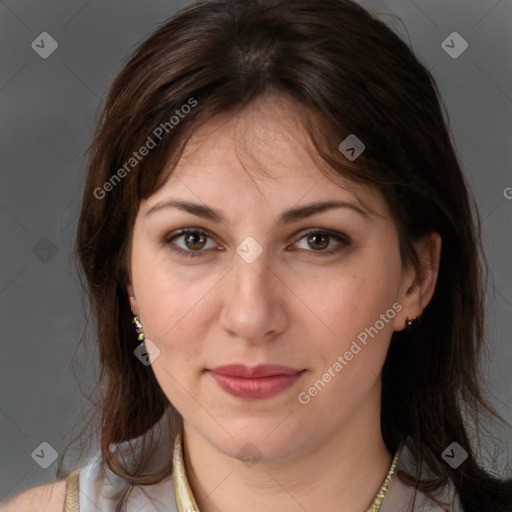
(260, 441)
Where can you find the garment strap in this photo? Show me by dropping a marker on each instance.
(71, 503)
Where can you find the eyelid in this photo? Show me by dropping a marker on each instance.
(340, 236)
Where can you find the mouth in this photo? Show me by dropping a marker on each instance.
(258, 382)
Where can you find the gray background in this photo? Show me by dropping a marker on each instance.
(48, 107)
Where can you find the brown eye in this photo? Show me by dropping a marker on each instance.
(324, 242)
(195, 240)
(189, 242)
(318, 241)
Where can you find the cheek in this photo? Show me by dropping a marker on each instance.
(168, 299)
(352, 302)
(173, 322)
(356, 312)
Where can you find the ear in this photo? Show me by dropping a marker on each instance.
(418, 285)
(133, 301)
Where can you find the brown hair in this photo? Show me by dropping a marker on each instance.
(346, 72)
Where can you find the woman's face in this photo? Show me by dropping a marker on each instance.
(255, 289)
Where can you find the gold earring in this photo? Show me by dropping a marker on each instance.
(138, 328)
(409, 323)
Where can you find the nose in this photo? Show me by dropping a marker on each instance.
(253, 298)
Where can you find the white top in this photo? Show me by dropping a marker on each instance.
(96, 490)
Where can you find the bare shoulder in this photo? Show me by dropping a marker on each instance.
(49, 497)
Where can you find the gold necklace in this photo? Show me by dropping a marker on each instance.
(186, 502)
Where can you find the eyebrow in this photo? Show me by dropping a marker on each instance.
(286, 217)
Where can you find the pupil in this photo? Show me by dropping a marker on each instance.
(313, 238)
(192, 238)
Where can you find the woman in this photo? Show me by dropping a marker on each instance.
(284, 265)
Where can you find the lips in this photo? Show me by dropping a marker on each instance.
(257, 382)
(262, 370)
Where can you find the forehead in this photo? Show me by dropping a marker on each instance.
(261, 150)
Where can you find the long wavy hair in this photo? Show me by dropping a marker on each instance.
(346, 73)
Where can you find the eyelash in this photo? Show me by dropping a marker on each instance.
(343, 239)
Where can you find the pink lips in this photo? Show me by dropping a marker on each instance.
(258, 382)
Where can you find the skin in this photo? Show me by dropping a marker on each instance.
(291, 306)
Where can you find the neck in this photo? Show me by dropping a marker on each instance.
(341, 472)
